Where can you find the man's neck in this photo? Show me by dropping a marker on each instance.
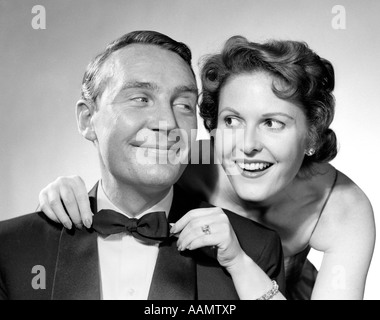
(132, 199)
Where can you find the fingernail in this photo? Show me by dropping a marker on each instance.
(172, 229)
(67, 224)
(79, 226)
(87, 223)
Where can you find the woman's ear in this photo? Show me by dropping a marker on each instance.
(85, 110)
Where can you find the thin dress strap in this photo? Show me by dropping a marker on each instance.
(327, 199)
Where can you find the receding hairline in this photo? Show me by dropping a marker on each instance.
(139, 46)
(108, 69)
(93, 80)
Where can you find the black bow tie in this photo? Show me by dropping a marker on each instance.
(150, 228)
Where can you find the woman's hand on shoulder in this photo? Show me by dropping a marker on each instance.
(66, 192)
(209, 227)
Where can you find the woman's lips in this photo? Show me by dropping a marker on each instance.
(253, 169)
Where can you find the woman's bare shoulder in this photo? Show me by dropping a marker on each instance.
(351, 197)
(327, 179)
(348, 211)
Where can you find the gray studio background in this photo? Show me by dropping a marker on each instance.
(41, 72)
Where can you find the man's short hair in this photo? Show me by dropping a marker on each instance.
(93, 83)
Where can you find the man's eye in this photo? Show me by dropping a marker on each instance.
(184, 106)
(231, 122)
(141, 99)
(274, 124)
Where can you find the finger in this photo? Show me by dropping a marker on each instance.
(189, 216)
(54, 208)
(195, 229)
(69, 200)
(43, 206)
(83, 201)
(197, 219)
(55, 205)
(85, 212)
(216, 229)
(204, 241)
(175, 234)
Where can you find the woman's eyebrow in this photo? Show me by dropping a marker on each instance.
(272, 114)
(229, 109)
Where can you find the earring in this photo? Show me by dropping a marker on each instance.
(309, 152)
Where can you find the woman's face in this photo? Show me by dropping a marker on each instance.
(260, 139)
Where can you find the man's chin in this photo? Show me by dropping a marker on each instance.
(161, 175)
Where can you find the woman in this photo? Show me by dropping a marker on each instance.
(268, 108)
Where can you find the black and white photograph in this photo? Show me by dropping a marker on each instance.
(189, 150)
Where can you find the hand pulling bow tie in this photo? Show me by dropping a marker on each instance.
(150, 228)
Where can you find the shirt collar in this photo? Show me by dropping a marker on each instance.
(103, 202)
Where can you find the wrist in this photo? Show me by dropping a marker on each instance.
(250, 281)
(239, 264)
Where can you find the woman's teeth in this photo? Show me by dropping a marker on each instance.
(253, 166)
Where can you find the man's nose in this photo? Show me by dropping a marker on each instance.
(163, 118)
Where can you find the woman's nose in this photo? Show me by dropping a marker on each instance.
(252, 141)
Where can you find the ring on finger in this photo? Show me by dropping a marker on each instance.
(206, 229)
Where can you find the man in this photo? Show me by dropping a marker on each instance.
(138, 97)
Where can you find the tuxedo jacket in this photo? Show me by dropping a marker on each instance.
(39, 259)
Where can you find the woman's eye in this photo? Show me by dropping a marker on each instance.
(274, 124)
(231, 122)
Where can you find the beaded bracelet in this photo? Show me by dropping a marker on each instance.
(271, 293)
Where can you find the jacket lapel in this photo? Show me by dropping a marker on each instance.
(77, 274)
(174, 276)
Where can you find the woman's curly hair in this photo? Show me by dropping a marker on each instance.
(308, 81)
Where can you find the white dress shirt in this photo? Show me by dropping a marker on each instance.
(126, 263)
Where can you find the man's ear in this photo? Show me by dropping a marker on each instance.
(85, 111)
